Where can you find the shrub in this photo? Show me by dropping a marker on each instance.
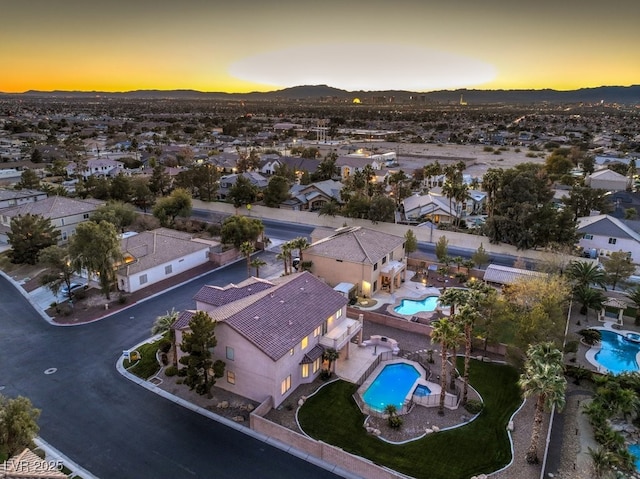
(571, 347)
(474, 406)
(164, 345)
(487, 148)
(79, 294)
(394, 422)
(171, 371)
(122, 299)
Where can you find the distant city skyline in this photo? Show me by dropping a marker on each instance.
(244, 46)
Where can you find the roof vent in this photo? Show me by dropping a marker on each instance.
(290, 323)
(256, 317)
(282, 301)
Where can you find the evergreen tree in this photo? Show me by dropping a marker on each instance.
(197, 344)
(29, 235)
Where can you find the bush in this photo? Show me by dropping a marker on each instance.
(122, 299)
(171, 371)
(474, 406)
(79, 294)
(571, 347)
(164, 345)
(394, 422)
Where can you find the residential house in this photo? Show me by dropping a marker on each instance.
(64, 213)
(9, 198)
(226, 182)
(430, 207)
(272, 334)
(608, 180)
(96, 167)
(602, 235)
(152, 256)
(349, 164)
(27, 464)
(314, 196)
(370, 259)
(504, 275)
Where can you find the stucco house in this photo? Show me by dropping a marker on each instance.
(64, 213)
(602, 235)
(96, 167)
(349, 164)
(608, 180)
(428, 207)
(10, 197)
(372, 260)
(152, 256)
(313, 196)
(272, 334)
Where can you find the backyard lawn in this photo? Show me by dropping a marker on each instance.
(482, 446)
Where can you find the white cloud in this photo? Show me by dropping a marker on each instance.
(364, 67)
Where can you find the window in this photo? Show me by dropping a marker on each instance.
(64, 236)
(375, 286)
(316, 365)
(339, 313)
(612, 240)
(384, 260)
(375, 266)
(317, 332)
(230, 353)
(143, 278)
(231, 377)
(285, 385)
(587, 237)
(168, 269)
(304, 343)
(291, 351)
(305, 370)
(85, 216)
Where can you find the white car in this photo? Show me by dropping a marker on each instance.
(68, 291)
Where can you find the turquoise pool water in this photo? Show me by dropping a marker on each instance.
(391, 386)
(618, 354)
(635, 450)
(411, 306)
(421, 390)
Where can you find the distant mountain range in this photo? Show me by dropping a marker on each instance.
(607, 94)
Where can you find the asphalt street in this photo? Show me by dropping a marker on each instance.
(109, 425)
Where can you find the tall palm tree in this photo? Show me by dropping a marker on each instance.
(285, 256)
(543, 377)
(301, 243)
(634, 295)
(447, 334)
(466, 317)
(454, 297)
(258, 263)
(589, 298)
(330, 355)
(246, 249)
(584, 273)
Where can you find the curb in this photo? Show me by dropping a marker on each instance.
(55, 455)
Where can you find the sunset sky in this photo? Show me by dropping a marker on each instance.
(250, 45)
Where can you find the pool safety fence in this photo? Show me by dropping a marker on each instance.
(383, 356)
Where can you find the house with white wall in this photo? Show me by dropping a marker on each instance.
(152, 256)
(604, 234)
(11, 197)
(429, 207)
(272, 334)
(64, 213)
(608, 180)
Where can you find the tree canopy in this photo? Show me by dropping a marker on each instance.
(18, 424)
(29, 235)
(238, 229)
(168, 208)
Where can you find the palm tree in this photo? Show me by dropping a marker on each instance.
(583, 273)
(246, 249)
(330, 355)
(164, 323)
(258, 263)
(634, 295)
(466, 317)
(447, 334)
(454, 297)
(285, 256)
(602, 461)
(301, 243)
(543, 377)
(590, 298)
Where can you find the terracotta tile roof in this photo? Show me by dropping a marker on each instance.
(153, 248)
(54, 207)
(315, 352)
(356, 245)
(277, 318)
(218, 296)
(28, 465)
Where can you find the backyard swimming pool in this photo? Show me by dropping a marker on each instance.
(618, 353)
(412, 306)
(422, 390)
(391, 386)
(634, 449)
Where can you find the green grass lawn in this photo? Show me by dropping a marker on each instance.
(482, 446)
(148, 365)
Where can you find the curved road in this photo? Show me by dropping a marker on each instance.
(109, 425)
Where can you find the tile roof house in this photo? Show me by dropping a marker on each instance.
(348, 164)
(272, 334)
(64, 213)
(602, 235)
(372, 260)
(152, 256)
(314, 196)
(428, 207)
(96, 167)
(608, 180)
(10, 197)
(226, 182)
(505, 275)
(28, 464)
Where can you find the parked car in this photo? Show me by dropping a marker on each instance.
(73, 287)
